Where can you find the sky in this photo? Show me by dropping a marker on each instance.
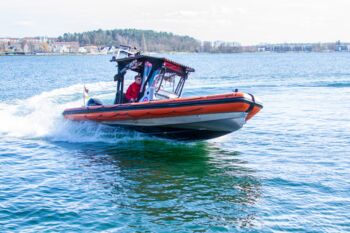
(244, 21)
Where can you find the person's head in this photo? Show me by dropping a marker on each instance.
(138, 79)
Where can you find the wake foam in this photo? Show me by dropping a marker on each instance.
(40, 116)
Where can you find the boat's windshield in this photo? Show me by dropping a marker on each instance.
(168, 86)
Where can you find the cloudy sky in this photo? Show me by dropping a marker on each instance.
(245, 21)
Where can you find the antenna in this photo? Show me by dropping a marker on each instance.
(144, 43)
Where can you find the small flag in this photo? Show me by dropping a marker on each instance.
(86, 93)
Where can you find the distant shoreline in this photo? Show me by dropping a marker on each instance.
(108, 41)
(100, 54)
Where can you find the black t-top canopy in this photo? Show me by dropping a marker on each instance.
(156, 62)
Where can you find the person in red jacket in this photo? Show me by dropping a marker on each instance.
(133, 91)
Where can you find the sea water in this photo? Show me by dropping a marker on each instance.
(287, 169)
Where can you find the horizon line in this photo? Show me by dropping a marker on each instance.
(200, 40)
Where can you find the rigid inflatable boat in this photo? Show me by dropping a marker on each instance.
(161, 111)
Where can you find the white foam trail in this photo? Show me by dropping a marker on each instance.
(41, 116)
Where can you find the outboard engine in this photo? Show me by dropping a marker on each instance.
(94, 102)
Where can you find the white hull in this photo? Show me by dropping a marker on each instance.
(226, 122)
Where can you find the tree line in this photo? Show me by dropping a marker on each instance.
(152, 41)
(146, 40)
